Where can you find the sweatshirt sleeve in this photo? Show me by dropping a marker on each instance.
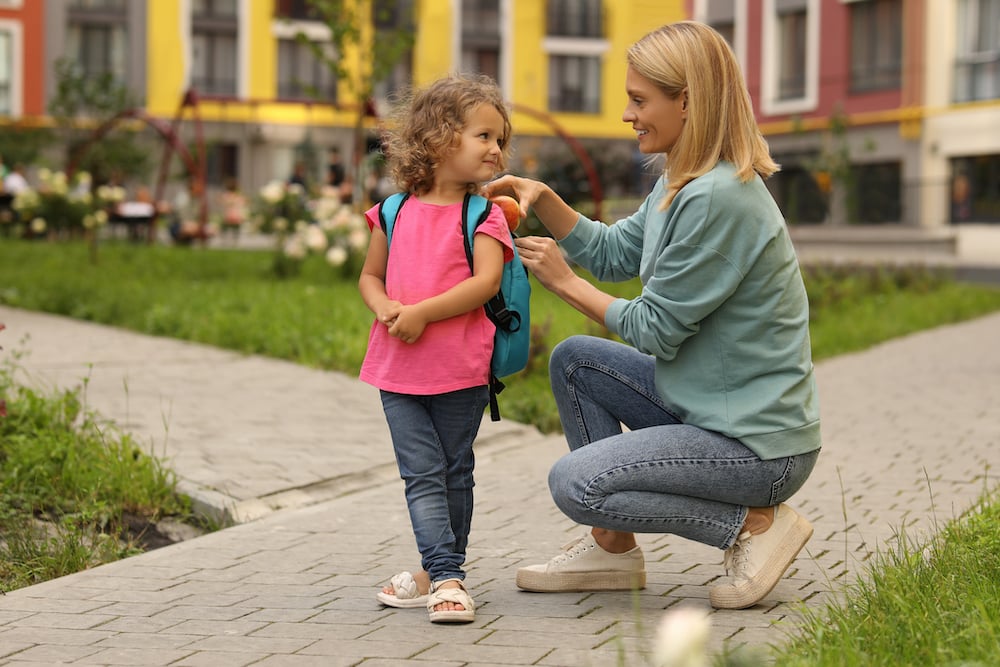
(693, 257)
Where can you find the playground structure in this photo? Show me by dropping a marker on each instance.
(194, 165)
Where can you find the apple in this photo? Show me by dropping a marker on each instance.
(511, 210)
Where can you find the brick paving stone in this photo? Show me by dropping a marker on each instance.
(910, 441)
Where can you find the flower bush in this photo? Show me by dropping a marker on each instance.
(61, 207)
(306, 225)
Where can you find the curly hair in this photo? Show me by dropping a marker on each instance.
(428, 123)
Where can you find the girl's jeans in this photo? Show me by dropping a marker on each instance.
(660, 476)
(432, 437)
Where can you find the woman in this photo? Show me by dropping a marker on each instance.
(715, 384)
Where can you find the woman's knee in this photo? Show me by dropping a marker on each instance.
(569, 352)
(564, 483)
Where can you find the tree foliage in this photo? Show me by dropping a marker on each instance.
(80, 105)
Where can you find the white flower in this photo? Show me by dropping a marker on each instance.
(315, 239)
(273, 192)
(295, 189)
(101, 217)
(44, 175)
(357, 239)
(295, 248)
(59, 183)
(38, 225)
(682, 639)
(336, 256)
(89, 221)
(280, 224)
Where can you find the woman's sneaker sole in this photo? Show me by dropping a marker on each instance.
(571, 582)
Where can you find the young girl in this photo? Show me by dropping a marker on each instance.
(430, 344)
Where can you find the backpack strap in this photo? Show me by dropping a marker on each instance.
(474, 211)
(388, 210)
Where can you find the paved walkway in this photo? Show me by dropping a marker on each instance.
(302, 458)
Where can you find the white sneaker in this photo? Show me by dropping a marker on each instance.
(757, 562)
(585, 566)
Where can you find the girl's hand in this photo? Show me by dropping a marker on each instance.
(545, 260)
(408, 325)
(388, 313)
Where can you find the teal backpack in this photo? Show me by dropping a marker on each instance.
(508, 310)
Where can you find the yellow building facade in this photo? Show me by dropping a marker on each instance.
(264, 134)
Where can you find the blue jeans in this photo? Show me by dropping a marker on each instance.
(432, 437)
(660, 476)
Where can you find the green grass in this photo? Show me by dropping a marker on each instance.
(74, 491)
(934, 603)
(231, 299)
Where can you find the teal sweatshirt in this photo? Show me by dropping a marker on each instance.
(723, 308)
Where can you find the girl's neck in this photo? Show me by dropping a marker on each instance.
(444, 193)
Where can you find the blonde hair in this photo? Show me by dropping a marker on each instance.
(428, 123)
(692, 58)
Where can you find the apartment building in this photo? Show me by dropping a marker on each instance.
(882, 112)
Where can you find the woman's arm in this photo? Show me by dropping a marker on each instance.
(557, 216)
(545, 261)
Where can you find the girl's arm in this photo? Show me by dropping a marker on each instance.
(371, 284)
(467, 295)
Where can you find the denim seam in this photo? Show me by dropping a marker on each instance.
(610, 372)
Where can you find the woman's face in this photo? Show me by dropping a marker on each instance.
(656, 118)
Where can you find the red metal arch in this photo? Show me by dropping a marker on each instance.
(193, 164)
(576, 147)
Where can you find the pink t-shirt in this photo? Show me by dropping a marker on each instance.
(426, 258)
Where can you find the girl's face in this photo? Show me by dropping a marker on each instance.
(476, 157)
(656, 118)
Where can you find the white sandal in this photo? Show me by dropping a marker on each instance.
(406, 595)
(454, 595)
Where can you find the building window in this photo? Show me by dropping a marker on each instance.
(575, 84)
(299, 10)
(301, 74)
(975, 189)
(222, 163)
(394, 21)
(877, 193)
(792, 54)
(790, 62)
(214, 47)
(481, 37)
(575, 45)
(574, 18)
(721, 15)
(797, 192)
(977, 62)
(95, 38)
(876, 45)
(6, 72)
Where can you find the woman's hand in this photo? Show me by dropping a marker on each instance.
(557, 216)
(524, 190)
(543, 258)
